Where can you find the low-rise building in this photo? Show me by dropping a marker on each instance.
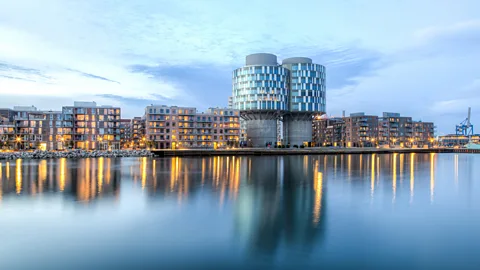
(92, 127)
(328, 131)
(361, 130)
(456, 140)
(395, 130)
(423, 133)
(38, 130)
(125, 133)
(182, 127)
(137, 135)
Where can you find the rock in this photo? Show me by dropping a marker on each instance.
(74, 154)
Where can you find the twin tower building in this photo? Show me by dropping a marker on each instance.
(265, 92)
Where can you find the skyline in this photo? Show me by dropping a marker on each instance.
(183, 53)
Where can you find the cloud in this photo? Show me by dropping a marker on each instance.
(183, 52)
(88, 75)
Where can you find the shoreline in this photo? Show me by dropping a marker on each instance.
(303, 151)
(72, 154)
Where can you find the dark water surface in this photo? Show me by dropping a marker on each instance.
(399, 211)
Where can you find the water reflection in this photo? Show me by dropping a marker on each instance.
(274, 202)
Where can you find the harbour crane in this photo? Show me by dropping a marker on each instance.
(465, 127)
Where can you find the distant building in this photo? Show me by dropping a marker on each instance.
(7, 113)
(36, 129)
(182, 127)
(394, 129)
(137, 135)
(328, 131)
(423, 133)
(458, 140)
(361, 130)
(92, 127)
(125, 133)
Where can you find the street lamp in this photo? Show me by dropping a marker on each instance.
(18, 140)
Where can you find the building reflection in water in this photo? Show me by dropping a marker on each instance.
(82, 179)
(274, 200)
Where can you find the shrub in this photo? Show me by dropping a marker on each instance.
(302, 146)
(295, 146)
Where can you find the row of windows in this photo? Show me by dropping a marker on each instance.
(174, 111)
(260, 84)
(308, 80)
(308, 73)
(260, 77)
(310, 107)
(308, 86)
(308, 100)
(91, 111)
(307, 93)
(308, 66)
(261, 105)
(259, 70)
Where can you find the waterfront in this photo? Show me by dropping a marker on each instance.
(395, 211)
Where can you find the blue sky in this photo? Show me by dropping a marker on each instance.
(419, 58)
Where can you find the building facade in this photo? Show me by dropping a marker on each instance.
(328, 131)
(423, 133)
(137, 133)
(182, 127)
(92, 127)
(395, 129)
(458, 140)
(361, 130)
(265, 91)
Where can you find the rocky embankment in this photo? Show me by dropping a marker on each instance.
(75, 154)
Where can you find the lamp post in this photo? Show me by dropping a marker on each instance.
(18, 140)
(63, 143)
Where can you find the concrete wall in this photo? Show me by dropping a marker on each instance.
(296, 60)
(261, 59)
(261, 131)
(298, 131)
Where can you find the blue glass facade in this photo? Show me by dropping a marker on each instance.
(260, 88)
(307, 87)
(292, 86)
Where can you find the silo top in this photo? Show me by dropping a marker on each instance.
(261, 59)
(296, 60)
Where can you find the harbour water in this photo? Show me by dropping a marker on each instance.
(391, 211)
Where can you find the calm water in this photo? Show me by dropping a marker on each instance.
(401, 211)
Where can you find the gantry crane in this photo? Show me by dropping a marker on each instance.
(465, 127)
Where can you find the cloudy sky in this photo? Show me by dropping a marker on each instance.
(419, 58)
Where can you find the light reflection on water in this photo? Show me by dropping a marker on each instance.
(395, 211)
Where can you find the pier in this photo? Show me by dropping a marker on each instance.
(302, 151)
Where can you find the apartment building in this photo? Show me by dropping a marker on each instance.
(423, 133)
(125, 133)
(361, 130)
(40, 130)
(92, 127)
(7, 134)
(182, 127)
(137, 133)
(395, 130)
(7, 113)
(328, 131)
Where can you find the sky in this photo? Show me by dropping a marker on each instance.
(418, 58)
